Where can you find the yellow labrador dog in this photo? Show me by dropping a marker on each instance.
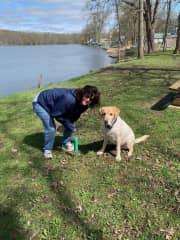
(117, 131)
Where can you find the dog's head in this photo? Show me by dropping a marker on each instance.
(110, 115)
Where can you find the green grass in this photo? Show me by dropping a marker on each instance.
(158, 60)
(78, 197)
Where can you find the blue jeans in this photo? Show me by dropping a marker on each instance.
(49, 127)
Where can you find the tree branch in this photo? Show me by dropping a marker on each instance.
(155, 11)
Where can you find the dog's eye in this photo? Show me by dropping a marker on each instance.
(103, 114)
(110, 114)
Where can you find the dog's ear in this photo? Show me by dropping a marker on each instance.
(117, 111)
(101, 110)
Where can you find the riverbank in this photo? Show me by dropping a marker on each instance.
(90, 197)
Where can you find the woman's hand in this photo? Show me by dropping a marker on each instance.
(60, 128)
(75, 130)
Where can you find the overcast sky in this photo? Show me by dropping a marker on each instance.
(61, 16)
(43, 15)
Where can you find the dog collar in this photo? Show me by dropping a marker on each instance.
(113, 122)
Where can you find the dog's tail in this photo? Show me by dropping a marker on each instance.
(142, 139)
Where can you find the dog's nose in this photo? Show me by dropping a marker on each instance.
(105, 121)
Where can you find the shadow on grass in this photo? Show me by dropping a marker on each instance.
(164, 102)
(64, 204)
(10, 228)
(93, 146)
(36, 141)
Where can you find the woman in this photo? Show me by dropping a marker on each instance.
(65, 106)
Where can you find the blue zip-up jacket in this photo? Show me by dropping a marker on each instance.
(61, 104)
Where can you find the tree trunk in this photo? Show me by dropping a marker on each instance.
(140, 31)
(177, 49)
(119, 27)
(167, 24)
(149, 35)
(150, 19)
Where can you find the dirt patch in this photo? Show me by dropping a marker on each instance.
(139, 68)
(105, 72)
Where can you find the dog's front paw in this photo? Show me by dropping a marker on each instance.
(100, 152)
(118, 158)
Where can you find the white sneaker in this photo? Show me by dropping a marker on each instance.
(48, 154)
(68, 147)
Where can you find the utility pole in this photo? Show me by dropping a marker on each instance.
(140, 30)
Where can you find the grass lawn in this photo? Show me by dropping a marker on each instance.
(79, 197)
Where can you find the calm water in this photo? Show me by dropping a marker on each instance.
(21, 66)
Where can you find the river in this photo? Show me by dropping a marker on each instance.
(22, 66)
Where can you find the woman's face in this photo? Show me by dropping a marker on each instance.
(86, 101)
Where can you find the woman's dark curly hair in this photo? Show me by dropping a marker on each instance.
(89, 92)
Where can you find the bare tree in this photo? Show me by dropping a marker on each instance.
(169, 2)
(129, 23)
(97, 15)
(177, 49)
(150, 14)
(89, 32)
(150, 17)
(140, 31)
(117, 11)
